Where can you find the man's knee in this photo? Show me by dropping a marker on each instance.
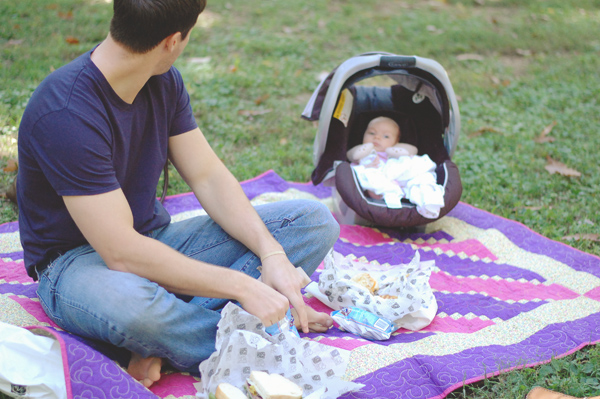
(317, 228)
(326, 229)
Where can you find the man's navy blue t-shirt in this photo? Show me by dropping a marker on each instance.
(78, 137)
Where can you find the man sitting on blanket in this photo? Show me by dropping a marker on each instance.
(92, 143)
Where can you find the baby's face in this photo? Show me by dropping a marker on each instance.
(383, 134)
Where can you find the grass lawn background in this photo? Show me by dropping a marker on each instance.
(519, 68)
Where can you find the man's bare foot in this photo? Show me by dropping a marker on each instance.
(145, 370)
(318, 322)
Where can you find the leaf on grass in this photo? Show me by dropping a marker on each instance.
(499, 82)
(553, 166)
(261, 99)
(470, 57)
(589, 236)
(66, 15)
(72, 40)
(248, 112)
(523, 52)
(543, 137)
(283, 141)
(484, 129)
(11, 166)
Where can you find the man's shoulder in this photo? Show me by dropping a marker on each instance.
(58, 91)
(170, 79)
(66, 75)
(172, 74)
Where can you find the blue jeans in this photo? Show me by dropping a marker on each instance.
(83, 296)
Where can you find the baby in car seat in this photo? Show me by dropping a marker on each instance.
(390, 170)
(380, 142)
(382, 136)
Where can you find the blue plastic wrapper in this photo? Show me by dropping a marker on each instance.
(363, 323)
(286, 323)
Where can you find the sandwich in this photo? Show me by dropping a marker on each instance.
(366, 281)
(228, 391)
(261, 385)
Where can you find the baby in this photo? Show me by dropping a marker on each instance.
(389, 170)
(382, 136)
(380, 142)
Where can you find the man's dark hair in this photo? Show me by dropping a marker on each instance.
(140, 25)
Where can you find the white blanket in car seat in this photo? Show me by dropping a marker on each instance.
(407, 177)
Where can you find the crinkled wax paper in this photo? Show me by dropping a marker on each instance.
(242, 345)
(413, 307)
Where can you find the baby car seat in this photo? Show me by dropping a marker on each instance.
(413, 91)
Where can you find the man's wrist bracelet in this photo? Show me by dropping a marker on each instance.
(262, 258)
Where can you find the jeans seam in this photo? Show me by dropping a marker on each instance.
(154, 349)
(46, 309)
(193, 254)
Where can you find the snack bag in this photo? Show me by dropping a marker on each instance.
(363, 323)
(286, 324)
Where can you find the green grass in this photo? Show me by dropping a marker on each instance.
(539, 64)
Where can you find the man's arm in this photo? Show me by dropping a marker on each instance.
(224, 200)
(106, 222)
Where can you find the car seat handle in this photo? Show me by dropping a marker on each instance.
(397, 61)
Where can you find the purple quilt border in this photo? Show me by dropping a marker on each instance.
(92, 374)
(9, 227)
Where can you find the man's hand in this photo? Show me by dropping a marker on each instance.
(279, 273)
(264, 302)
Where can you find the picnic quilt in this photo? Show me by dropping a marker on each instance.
(507, 298)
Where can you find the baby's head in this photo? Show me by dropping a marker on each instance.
(383, 132)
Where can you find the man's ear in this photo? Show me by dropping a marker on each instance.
(171, 41)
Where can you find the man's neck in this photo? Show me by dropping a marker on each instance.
(125, 71)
